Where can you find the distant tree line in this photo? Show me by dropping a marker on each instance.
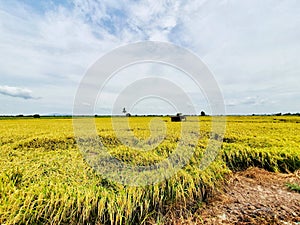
(278, 114)
(202, 113)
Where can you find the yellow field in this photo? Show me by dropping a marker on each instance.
(44, 178)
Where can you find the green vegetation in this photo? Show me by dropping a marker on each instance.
(45, 180)
(294, 187)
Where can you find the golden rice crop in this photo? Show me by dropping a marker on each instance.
(268, 142)
(44, 178)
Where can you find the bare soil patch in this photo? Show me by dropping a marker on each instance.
(254, 196)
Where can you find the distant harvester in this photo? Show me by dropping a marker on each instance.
(178, 118)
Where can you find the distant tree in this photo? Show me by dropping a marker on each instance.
(202, 113)
(21, 115)
(128, 114)
(36, 116)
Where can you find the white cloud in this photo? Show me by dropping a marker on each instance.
(252, 47)
(16, 92)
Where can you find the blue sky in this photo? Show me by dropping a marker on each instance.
(252, 48)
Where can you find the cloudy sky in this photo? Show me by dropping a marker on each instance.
(252, 48)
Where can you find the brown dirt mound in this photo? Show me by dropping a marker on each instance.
(255, 196)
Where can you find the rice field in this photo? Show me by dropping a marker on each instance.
(45, 178)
